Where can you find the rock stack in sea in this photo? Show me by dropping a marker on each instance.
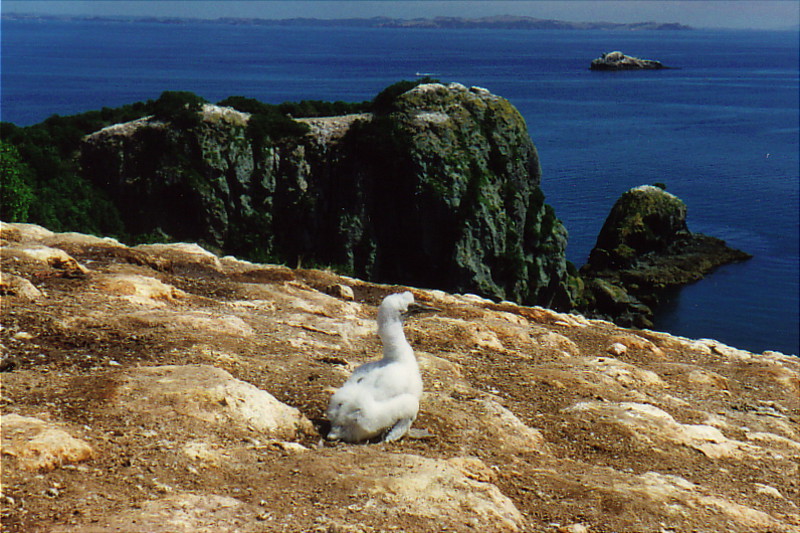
(618, 61)
(644, 249)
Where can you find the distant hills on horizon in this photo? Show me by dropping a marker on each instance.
(503, 22)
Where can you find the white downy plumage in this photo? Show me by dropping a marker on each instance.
(381, 398)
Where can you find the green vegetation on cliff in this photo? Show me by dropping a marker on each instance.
(15, 189)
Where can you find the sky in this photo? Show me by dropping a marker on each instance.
(755, 14)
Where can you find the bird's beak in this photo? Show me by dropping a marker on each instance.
(415, 308)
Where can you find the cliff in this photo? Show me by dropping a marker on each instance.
(439, 189)
(645, 250)
(163, 388)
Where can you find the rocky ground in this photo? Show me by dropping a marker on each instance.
(161, 388)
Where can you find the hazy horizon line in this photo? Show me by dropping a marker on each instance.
(124, 17)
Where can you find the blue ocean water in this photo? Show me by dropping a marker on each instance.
(721, 131)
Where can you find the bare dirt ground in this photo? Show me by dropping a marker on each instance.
(139, 388)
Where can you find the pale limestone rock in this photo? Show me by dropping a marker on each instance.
(209, 394)
(556, 341)
(651, 425)
(548, 316)
(474, 468)
(216, 113)
(510, 432)
(439, 490)
(178, 513)
(484, 422)
(625, 374)
(326, 130)
(791, 446)
(203, 452)
(513, 318)
(635, 342)
(723, 349)
(81, 240)
(9, 233)
(439, 298)
(183, 252)
(309, 301)
(574, 528)
(19, 287)
(340, 290)
(289, 447)
(208, 323)
(769, 491)
(138, 289)
(475, 334)
(617, 349)
(53, 257)
(200, 324)
(259, 305)
(753, 519)
(707, 378)
(41, 445)
(685, 496)
(473, 298)
(439, 373)
(28, 232)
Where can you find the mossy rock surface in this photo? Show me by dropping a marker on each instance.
(644, 219)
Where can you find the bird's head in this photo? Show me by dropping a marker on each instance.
(399, 306)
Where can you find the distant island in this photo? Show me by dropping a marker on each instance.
(502, 22)
(619, 61)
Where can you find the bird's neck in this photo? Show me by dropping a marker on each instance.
(395, 345)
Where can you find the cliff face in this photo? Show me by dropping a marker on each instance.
(161, 388)
(441, 190)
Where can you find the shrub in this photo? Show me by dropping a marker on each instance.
(266, 121)
(384, 101)
(16, 193)
(179, 108)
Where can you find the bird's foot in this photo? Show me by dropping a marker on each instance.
(398, 430)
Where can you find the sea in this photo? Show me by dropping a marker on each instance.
(720, 130)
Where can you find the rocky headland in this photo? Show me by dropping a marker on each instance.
(163, 388)
(644, 251)
(438, 188)
(618, 61)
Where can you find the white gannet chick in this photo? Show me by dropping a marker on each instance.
(381, 398)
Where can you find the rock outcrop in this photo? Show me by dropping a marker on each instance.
(163, 388)
(644, 249)
(618, 61)
(439, 190)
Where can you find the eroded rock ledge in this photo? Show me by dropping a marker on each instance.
(162, 388)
